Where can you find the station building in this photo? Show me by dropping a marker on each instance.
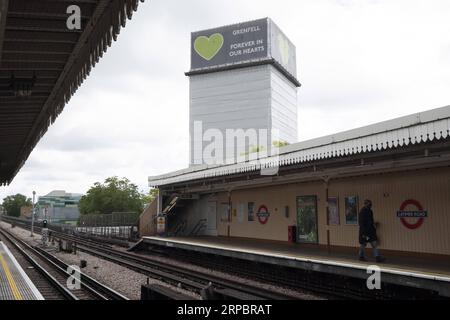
(402, 165)
(308, 192)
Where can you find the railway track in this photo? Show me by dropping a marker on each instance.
(309, 285)
(51, 274)
(49, 287)
(207, 285)
(321, 285)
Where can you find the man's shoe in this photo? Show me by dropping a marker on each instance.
(380, 259)
(362, 259)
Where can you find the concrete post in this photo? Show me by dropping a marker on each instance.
(32, 215)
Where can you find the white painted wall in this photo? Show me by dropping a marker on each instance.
(284, 106)
(258, 97)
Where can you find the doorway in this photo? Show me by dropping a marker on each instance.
(212, 216)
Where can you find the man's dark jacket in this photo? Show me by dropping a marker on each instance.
(367, 231)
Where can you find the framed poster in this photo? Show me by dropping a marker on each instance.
(251, 211)
(333, 211)
(351, 210)
(307, 230)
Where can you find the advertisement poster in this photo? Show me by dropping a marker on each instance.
(251, 211)
(307, 219)
(351, 210)
(333, 211)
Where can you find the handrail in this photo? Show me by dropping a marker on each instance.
(199, 226)
(180, 227)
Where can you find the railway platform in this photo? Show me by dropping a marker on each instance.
(14, 282)
(403, 270)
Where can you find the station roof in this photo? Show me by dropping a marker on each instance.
(39, 54)
(428, 126)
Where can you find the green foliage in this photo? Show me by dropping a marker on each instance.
(114, 195)
(150, 196)
(12, 204)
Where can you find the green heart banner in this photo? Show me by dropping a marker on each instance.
(257, 41)
(207, 48)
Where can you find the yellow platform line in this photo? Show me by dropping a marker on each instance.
(10, 278)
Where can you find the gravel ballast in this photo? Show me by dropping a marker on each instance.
(128, 282)
(121, 279)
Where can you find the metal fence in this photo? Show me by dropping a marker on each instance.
(120, 225)
(111, 220)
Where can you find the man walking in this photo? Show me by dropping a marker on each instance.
(368, 232)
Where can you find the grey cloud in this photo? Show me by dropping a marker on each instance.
(129, 118)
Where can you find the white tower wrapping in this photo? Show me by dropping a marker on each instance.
(242, 81)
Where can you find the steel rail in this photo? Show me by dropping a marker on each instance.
(94, 287)
(52, 280)
(192, 279)
(106, 291)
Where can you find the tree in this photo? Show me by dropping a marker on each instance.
(12, 204)
(150, 196)
(114, 195)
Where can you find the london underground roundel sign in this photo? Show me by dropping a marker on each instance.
(263, 214)
(418, 213)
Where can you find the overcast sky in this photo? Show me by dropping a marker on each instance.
(359, 62)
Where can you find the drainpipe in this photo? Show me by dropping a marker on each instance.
(32, 215)
(161, 214)
(158, 202)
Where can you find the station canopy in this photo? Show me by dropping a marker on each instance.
(43, 63)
